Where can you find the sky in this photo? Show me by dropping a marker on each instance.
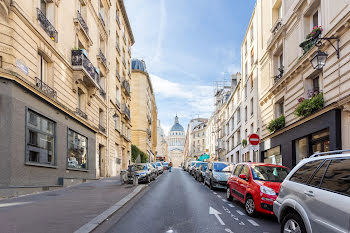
(187, 46)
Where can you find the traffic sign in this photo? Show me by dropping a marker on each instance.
(254, 139)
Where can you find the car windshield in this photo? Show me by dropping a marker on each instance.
(140, 167)
(198, 164)
(218, 167)
(228, 169)
(269, 173)
(159, 164)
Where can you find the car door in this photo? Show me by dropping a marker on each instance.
(207, 173)
(329, 189)
(233, 181)
(243, 183)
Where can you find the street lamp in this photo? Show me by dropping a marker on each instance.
(319, 60)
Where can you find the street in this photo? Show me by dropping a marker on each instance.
(176, 202)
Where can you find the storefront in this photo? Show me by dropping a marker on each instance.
(320, 134)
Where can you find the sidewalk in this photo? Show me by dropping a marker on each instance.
(64, 210)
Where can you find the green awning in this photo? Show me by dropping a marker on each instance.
(203, 157)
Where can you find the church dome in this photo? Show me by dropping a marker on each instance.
(177, 126)
(138, 65)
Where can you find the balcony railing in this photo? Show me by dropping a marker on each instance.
(117, 75)
(126, 86)
(102, 92)
(276, 27)
(279, 76)
(101, 18)
(149, 118)
(101, 128)
(79, 112)
(126, 111)
(149, 132)
(123, 58)
(117, 102)
(82, 22)
(81, 62)
(117, 18)
(102, 57)
(47, 26)
(117, 47)
(45, 88)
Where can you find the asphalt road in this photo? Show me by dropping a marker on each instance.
(177, 203)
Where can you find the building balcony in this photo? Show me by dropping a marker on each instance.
(79, 112)
(47, 26)
(126, 111)
(118, 20)
(126, 87)
(84, 71)
(149, 118)
(102, 58)
(278, 76)
(43, 87)
(149, 133)
(117, 102)
(102, 128)
(102, 93)
(82, 25)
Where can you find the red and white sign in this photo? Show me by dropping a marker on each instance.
(254, 139)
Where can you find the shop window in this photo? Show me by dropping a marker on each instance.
(40, 140)
(273, 156)
(77, 150)
(301, 149)
(320, 141)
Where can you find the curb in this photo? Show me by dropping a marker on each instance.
(95, 222)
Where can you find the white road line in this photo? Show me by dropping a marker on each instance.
(224, 200)
(228, 230)
(216, 213)
(253, 222)
(230, 205)
(219, 196)
(214, 192)
(240, 212)
(14, 204)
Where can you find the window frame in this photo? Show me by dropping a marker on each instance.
(87, 152)
(26, 151)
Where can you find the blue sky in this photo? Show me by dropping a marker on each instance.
(188, 45)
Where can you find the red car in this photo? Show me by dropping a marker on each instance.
(256, 185)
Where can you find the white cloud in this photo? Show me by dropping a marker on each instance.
(162, 27)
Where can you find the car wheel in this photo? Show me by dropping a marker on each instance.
(293, 223)
(228, 194)
(148, 179)
(211, 185)
(250, 206)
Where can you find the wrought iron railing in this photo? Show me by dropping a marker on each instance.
(101, 128)
(123, 58)
(126, 111)
(101, 18)
(46, 25)
(102, 92)
(83, 23)
(117, 18)
(103, 58)
(279, 76)
(117, 47)
(126, 86)
(117, 75)
(149, 132)
(45, 88)
(149, 119)
(79, 112)
(80, 59)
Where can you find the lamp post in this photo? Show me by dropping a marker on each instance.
(319, 59)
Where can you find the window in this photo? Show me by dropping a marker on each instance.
(280, 12)
(316, 180)
(239, 136)
(252, 58)
(273, 156)
(251, 33)
(337, 177)
(102, 81)
(303, 174)
(40, 140)
(252, 128)
(279, 108)
(245, 91)
(102, 10)
(320, 141)
(315, 21)
(316, 84)
(246, 70)
(77, 150)
(117, 95)
(238, 115)
(280, 61)
(116, 122)
(43, 69)
(100, 117)
(251, 82)
(245, 48)
(246, 133)
(245, 171)
(252, 106)
(246, 113)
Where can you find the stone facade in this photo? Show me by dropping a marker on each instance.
(198, 140)
(162, 145)
(144, 110)
(67, 63)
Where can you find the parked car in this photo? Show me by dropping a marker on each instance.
(216, 175)
(195, 169)
(165, 166)
(315, 196)
(256, 185)
(190, 167)
(160, 168)
(144, 172)
(200, 172)
(154, 165)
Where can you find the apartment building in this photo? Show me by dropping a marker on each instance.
(300, 69)
(64, 70)
(190, 145)
(198, 135)
(162, 145)
(143, 110)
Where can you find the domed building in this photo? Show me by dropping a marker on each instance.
(176, 143)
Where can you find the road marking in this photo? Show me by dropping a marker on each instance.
(234, 217)
(241, 223)
(219, 196)
(14, 204)
(253, 222)
(224, 200)
(228, 230)
(216, 213)
(240, 212)
(215, 193)
(230, 205)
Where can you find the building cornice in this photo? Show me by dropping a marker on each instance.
(126, 20)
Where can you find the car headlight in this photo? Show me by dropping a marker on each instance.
(267, 190)
(216, 176)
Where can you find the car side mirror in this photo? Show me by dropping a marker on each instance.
(243, 176)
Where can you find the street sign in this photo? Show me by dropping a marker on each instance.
(254, 139)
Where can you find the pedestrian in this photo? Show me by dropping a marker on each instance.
(170, 166)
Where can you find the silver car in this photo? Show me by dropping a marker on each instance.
(315, 196)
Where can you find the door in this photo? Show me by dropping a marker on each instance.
(333, 195)
(234, 181)
(243, 183)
